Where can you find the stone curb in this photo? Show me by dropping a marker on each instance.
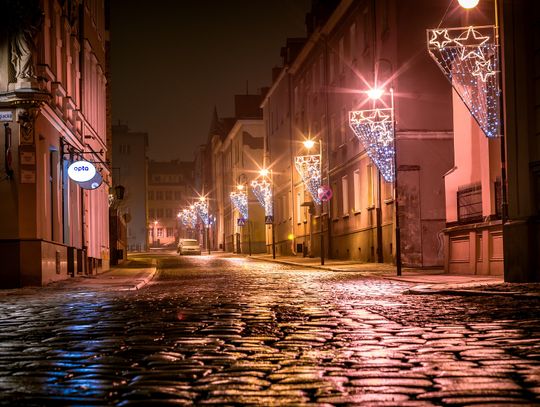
(149, 278)
(320, 267)
(468, 293)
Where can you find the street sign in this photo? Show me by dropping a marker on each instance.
(325, 193)
(269, 219)
(241, 222)
(6, 116)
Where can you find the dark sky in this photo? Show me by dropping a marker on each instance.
(172, 61)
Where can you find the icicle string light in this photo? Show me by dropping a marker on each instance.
(188, 218)
(262, 189)
(240, 202)
(309, 168)
(468, 56)
(375, 130)
(201, 207)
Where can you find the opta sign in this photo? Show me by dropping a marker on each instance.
(81, 171)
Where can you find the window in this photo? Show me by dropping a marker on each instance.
(469, 199)
(159, 232)
(334, 202)
(177, 195)
(168, 195)
(345, 194)
(124, 148)
(388, 190)
(333, 133)
(370, 186)
(331, 66)
(150, 195)
(341, 55)
(342, 130)
(168, 212)
(299, 207)
(159, 195)
(151, 213)
(357, 193)
(352, 41)
(170, 232)
(159, 213)
(321, 70)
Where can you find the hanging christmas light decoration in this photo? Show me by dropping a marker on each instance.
(309, 168)
(188, 217)
(262, 189)
(201, 208)
(469, 59)
(375, 130)
(240, 202)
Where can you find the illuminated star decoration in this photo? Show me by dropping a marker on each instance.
(201, 206)
(375, 130)
(469, 59)
(309, 168)
(188, 218)
(262, 189)
(240, 202)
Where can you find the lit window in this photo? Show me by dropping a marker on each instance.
(345, 194)
(357, 193)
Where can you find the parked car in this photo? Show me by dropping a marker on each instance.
(188, 246)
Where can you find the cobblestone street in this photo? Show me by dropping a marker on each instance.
(232, 331)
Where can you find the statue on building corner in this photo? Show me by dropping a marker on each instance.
(25, 24)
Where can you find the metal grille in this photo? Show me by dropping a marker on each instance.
(469, 200)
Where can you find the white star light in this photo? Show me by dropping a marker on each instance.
(483, 70)
(471, 47)
(470, 62)
(440, 38)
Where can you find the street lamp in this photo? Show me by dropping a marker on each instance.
(263, 189)
(376, 130)
(154, 233)
(310, 169)
(202, 209)
(468, 3)
(239, 199)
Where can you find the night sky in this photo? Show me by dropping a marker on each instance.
(173, 61)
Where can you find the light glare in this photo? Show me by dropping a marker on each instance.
(309, 143)
(375, 93)
(468, 3)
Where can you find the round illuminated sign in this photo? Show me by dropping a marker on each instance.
(81, 171)
(93, 183)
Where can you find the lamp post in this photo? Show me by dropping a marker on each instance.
(376, 130)
(154, 233)
(202, 209)
(239, 200)
(310, 169)
(263, 189)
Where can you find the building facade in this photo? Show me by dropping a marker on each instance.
(357, 46)
(53, 103)
(237, 146)
(170, 188)
(130, 171)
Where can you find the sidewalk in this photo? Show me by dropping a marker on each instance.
(429, 281)
(132, 274)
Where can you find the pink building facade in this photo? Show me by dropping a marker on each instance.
(350, 49)
(53, 103)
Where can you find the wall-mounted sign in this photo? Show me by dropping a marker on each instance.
(6, 116)
(81, 171)
(93, 183)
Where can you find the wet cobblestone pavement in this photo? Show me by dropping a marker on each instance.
(229, 331)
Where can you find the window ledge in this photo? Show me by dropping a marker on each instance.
(389, 201)
(357, 212)
(345, 215)
(370, 208)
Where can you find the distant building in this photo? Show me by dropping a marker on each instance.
(170, 188)
(53, 105)
(237, 146)
(129, 166)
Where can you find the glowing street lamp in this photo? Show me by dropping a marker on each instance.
(262, 188)
(468, 3)
(201, 206)
(376, 129)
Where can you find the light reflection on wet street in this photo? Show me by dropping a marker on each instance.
(230, 331)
